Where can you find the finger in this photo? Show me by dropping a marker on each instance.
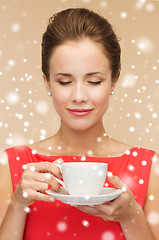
(115, 181)
(41, 187)
(44, 167)
(59, 161)
(43, 197)
(36, 186)
(104, 208)
(88, 209)
(95, 212)
(109, 210)
(47, 178)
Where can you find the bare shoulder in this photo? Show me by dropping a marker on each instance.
(151, 207)
(6, 189)
(5, 176)
(43, 147)
(153, 188)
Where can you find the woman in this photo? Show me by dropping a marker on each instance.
(81, 66)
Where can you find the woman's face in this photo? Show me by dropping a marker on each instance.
(80, 83)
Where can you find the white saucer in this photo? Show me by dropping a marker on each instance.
(106, 194)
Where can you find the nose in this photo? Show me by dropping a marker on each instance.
(79, 93)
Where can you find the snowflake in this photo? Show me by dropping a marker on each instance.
(123, 15)
(90, 153)
(11, 63)
(26, 124)
(24, 166)
(134, 153)
(15, 27)
(108, 236)
(128, 81)
(85, 223)
(83, 158)
(61, 226)
(3, 161)
(141, 181)
(100, 173)
(151, 197)
(42, 107)
(153, 218)
(27, 209)
(99, 139)
(150, 7)
(12, 98)
(103, 4)
(131, 129)
(137, 115)
(25, 194)
(144, 45)
(154, 115)
(81, 182)
(144, 163)
(131, 167)
(34, 151)
(87, 197)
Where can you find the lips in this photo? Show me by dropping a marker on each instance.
(80, 112)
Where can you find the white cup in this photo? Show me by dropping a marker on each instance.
(83, 178)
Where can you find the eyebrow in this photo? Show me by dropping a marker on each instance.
(69, 75)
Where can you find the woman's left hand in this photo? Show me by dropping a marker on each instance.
(121, 209)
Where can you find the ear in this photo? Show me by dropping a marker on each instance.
(47, 83)
(114, 82)
(113, 85)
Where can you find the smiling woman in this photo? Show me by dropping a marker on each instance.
(79, 87)
(81, 66)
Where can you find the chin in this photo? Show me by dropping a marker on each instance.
(80, 126)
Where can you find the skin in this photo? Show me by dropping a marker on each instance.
(77, 136)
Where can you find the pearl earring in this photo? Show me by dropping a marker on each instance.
(49, 93)
(112, 92)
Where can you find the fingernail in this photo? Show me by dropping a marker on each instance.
(51, 199)
(60, 160)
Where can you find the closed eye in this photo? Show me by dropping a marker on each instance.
(64, 83)
(95, 83)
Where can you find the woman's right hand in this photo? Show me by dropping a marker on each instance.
(35, 181)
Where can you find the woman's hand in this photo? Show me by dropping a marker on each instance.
(35, 181)
(121, 209)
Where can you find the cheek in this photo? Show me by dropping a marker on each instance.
(101, 97)
(60, 97)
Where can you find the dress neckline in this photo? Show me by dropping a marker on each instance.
(127, 152)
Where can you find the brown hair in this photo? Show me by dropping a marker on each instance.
(77, 24)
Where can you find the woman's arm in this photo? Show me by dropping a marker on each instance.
(12, 218)
(151, 207)
(34, 181)
(149, 218)
(126, 211)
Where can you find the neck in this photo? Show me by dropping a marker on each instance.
(81, 142)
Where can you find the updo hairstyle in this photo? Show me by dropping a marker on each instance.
(76, 24)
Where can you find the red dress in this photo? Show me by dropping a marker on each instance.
(59, 221)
